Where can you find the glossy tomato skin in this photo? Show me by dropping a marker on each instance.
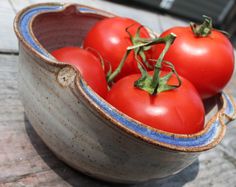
(178, 111)
(208, 62)
(88, 65)
(109, 38)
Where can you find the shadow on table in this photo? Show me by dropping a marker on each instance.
(75, 178)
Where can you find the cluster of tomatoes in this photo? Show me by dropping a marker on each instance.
(159, 81)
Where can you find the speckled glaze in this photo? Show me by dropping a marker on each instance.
(80, 127)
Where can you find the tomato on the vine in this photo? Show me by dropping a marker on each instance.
(88, 65)
(178, 111)
(206, 61)
(110, 38)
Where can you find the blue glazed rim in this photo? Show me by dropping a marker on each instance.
(206, 139)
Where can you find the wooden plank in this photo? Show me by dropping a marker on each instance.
(19, 4)
(26, 161)
(8, 42)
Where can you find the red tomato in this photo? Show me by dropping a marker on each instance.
(110, 39)
(207, 62)
(178, 111)
(89, 66)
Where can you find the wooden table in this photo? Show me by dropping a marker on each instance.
(26, 161)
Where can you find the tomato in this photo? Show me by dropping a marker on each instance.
(88, 65)
(178, 111)
(110, 38)
(208, 62)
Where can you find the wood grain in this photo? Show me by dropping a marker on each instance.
(8, 41)
(26, 161)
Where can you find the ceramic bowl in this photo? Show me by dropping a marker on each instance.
(81, 128)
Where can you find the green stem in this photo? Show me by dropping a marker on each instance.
(148, 43)
(119, 67)
(169, 39)
(154, 41)
(157, 83)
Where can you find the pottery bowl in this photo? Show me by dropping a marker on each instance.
(81, 128)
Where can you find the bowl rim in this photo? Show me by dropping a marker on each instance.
(79, 82)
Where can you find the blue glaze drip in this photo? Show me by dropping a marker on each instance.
(140, 129)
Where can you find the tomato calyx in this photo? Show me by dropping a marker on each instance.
(161, 84)
(204, 29)
(141, 45)
(156, 84)
(152, 84)
(140, 51)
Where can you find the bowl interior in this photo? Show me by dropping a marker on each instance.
(54, 30)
